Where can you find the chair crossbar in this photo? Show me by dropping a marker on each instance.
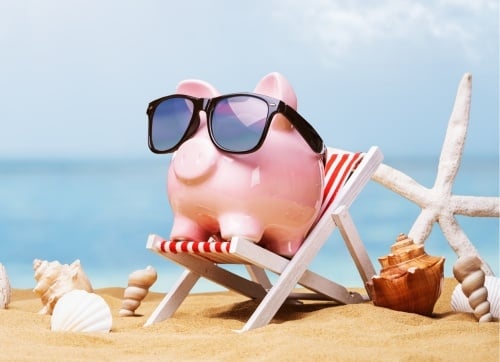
(216, 251)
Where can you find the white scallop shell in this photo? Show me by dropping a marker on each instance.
(460, 303)
(81, 311)
(5, 291)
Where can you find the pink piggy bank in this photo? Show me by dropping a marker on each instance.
(244, 164)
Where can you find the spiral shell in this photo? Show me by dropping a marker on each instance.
(55, 279)
(5, 291)
(410, 279)
(480, 297)
(81, 311)
(139, 283)
(460, 303)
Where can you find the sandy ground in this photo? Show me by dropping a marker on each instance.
(203, 329)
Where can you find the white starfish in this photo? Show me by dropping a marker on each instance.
(438, 204)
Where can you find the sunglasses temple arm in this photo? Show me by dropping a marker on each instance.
(307, 131)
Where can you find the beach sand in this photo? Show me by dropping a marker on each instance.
(203, 329)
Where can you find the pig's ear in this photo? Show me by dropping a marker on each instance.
(197, 88)
(277, 86)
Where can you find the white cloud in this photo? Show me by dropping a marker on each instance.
(336, 27)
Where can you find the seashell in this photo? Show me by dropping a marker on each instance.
(410, 279)
(460, 303)
(478, 294)
(55, 279)
(5, 290)
(81, 311)
(139, 283)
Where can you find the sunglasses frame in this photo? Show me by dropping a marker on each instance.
(207, 105)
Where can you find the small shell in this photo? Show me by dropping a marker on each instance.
(139, 283)
(5, 290)
(478, 293)
(81, 311)
(410, 279)
(460, 303)
(55, 279)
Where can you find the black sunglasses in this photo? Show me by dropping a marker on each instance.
(237, 123)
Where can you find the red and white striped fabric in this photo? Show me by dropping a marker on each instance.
(214, 250)
(339, 166)
(187, 246)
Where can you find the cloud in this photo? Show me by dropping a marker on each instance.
(335, 28)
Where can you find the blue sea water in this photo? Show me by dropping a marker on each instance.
(101, 211)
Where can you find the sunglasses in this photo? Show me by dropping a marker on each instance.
(237, 123)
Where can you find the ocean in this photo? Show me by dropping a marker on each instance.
(101, 212)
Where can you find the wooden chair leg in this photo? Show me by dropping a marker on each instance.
(354, 243)
(258, 275)
(173, 299)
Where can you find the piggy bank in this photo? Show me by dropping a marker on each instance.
(271, 196)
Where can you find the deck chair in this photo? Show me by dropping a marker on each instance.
(346, 175)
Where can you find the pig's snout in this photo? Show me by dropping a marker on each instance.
(195, 160)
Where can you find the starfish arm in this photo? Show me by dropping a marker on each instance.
(401, 184)
(476, 206)
(451, 152)
(458, 241)
(423, 225)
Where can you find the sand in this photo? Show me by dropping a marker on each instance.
(203, 329)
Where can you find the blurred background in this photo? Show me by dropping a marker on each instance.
(78, 181)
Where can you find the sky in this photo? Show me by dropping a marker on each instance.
(76, 76)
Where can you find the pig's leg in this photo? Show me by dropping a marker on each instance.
(285, 245)
(286, 248)
(234, 224)
(187, 229)
(237, 224)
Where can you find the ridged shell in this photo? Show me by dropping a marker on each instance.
(81, 311)
(55, 279)
(467, 270)
(5, 290)
(410, 280)
(460, 303)
(139, 283)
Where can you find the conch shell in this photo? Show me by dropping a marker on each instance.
(467, 270)
(81, 311)
(5, 291)
(55, 279)
(139, 283)
(410, 279)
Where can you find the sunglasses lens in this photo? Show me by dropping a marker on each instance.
(171, 119)
(238, 122)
